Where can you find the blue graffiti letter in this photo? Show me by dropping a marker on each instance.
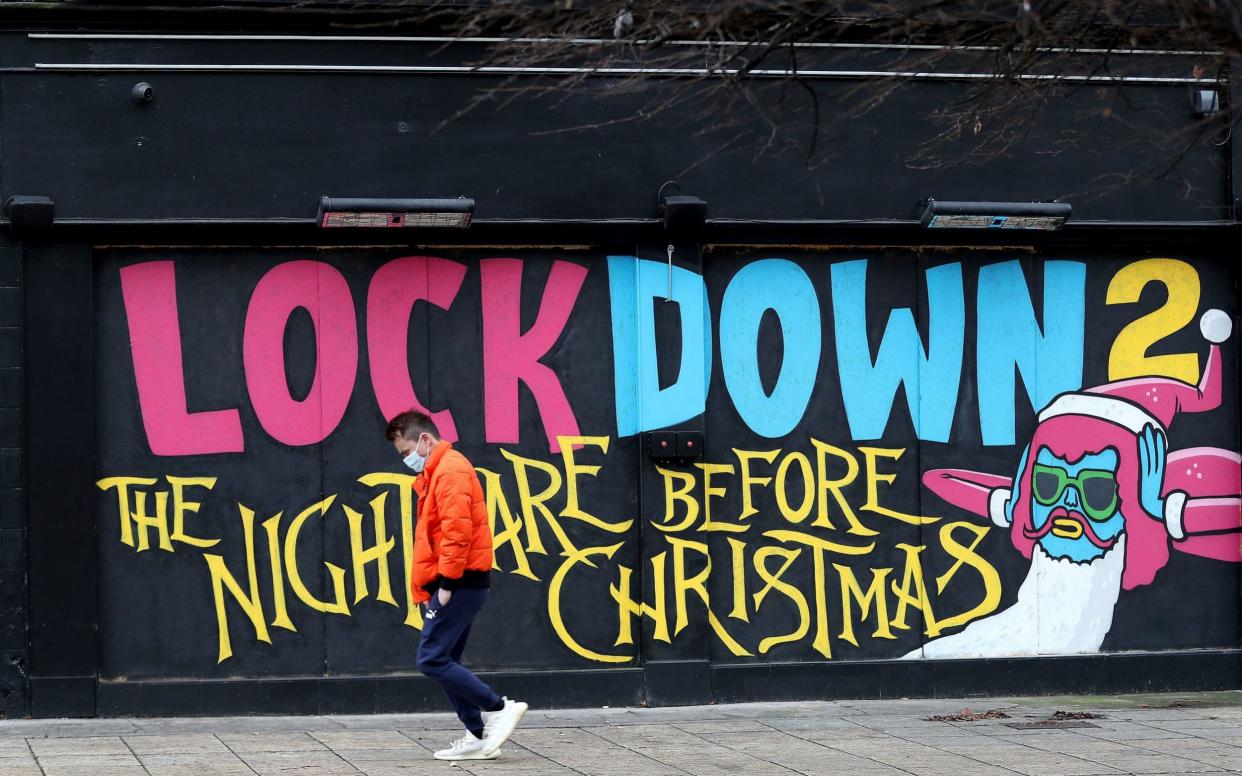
(1008, 337)
(781, 286)
(931, 379)
(641, 404)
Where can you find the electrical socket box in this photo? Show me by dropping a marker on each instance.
(675, 446)
(662, 445)
(690, 445)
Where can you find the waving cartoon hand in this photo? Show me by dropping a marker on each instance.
(1152, 449)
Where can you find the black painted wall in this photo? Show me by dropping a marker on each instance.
(75, 135)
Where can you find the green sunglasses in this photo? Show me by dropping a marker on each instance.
(1097, 488)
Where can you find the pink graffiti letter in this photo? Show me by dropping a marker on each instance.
(149, 291)
(510, 356)
(395, 288)
(323, 292)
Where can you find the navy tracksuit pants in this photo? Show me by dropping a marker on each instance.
(445, 631)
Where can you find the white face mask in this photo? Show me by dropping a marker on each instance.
(415, 461)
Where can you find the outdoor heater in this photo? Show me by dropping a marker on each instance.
(378, 213)
(1205, 103)
(1045, 216)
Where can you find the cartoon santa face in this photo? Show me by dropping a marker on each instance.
(1075, 512)
(1096, 474)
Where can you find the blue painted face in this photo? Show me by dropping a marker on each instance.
(1075, 508)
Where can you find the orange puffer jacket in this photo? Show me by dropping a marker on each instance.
(453, 534)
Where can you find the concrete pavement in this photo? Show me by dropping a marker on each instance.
(1155, 734)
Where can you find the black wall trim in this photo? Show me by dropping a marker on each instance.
(361, 695)
(1045, 675)
(686, 682)
(60, 376)
(1149, 236)
(62, 696)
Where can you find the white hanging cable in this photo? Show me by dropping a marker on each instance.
(669, 298)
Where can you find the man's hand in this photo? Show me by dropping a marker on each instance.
(444, 596)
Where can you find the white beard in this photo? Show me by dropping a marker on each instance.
(1063, 607)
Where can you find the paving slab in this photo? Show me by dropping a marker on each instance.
(207, 764)
(91, 765)
(270, 741)
(362, 739)
(188, 743)
(362, 758)
(311, 763)
(89, 745)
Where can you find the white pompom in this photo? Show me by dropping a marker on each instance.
(1216, 325)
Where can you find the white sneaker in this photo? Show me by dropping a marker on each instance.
(467, 748)
(499, 725)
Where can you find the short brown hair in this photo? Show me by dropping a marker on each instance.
(410, 424)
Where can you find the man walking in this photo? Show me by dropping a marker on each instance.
(452, 561)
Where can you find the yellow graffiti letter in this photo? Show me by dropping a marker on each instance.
(181, 507)
(572, 470)
(554, 602)
(122, 485)
(537, 502)
(672, 495)
(825, 486)
(912, 580)
(338, 606)
(782, 488)
(851, 592)
(874, 477)
(738, 552)
(511, 536)
(376, 553)
(744, 457)
(967, 555)
(683, 584)
(773, 582)
(404, 484)
(272, 527)
(250, 603)
(627, 608)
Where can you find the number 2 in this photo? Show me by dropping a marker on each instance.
(1128, 357)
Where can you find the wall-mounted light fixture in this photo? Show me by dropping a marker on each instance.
(683, 215)
(142, 93)
(378, 213)
(1205, 102)
(1044, 216)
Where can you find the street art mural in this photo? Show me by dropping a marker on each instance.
(904, 454)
